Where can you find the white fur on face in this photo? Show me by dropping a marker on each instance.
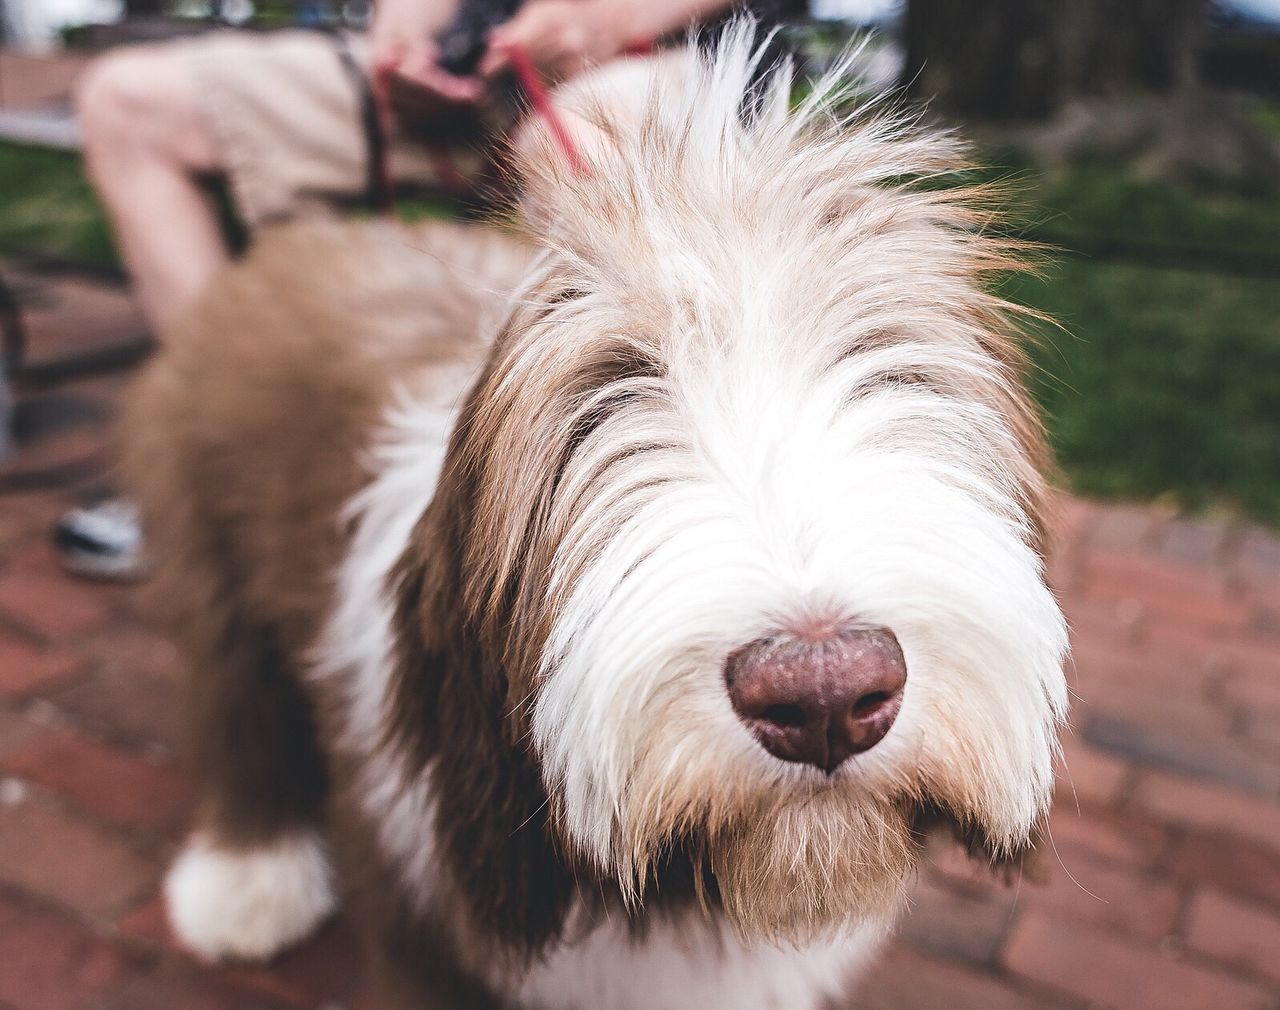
(824, 432)
(819, 425)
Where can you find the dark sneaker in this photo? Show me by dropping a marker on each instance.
(102, 541)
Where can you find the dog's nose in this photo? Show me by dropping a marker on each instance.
(819, 700)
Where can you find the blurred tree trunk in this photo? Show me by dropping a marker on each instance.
(1025, 59)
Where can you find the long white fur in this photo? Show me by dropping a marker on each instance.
(794, 482)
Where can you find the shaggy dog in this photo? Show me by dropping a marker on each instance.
(611, 613)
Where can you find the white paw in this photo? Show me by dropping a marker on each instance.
(249, 903)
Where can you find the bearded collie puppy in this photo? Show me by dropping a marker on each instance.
(607, 613)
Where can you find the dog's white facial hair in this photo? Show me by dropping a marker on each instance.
(781, 394)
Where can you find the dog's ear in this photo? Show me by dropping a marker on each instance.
(456, 719)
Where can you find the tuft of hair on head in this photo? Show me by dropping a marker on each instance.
(709, 164)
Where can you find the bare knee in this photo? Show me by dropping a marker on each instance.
(112, 97)
(139, 102)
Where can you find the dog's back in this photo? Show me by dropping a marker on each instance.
(226, 445)
(243, 442)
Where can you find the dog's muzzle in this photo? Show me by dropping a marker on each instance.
(818, 699)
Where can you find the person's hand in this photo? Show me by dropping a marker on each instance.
(561, 37)
(402, 43)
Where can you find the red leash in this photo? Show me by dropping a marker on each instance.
(535, 91)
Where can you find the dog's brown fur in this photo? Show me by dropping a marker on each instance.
(241, 477)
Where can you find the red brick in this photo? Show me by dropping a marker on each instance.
(79, 445)
(1163, 709)
(130, 692)
(1110, 970)
(1257, 556)
(1243, 934)
(176, 985)
(16, 731)
(1109, 670)
(1167, 714)
(54, 606)
(1150, 698)
(1210, 655)
(138, 650)
(1255, 655)
(1215, 622)
(73, 313)
(26, 668)
(1102, 621)
(50, 962)
(1232, 864)
(1260, 729)
(1190, 597)
(1108, 895)
(1211, 753)
(1062, 570)
(1200, 542)
(1203, 805)
(148, 923)
(1142, 574)
(116, 785)
(323, 971)
(70, 861)
(1265, 620)
(1124, 527)
(35, 558)
(27, 515)
(1073, 518)
(1261, 734)
(907, 980)
(1208, 617)
(1115, 837)
(1253, 693)
(1088, 776)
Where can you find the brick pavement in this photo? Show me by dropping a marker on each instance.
(1164, 881)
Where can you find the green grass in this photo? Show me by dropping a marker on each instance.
(1096, 205)
(47, 209)
(1265, 115)
(1165, 382)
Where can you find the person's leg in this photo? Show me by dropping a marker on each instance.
(276, 114)
(145, 140)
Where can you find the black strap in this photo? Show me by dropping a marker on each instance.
(375, 140)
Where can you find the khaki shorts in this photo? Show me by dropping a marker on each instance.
(288, 116)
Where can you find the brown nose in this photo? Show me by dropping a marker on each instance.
(817, 701)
